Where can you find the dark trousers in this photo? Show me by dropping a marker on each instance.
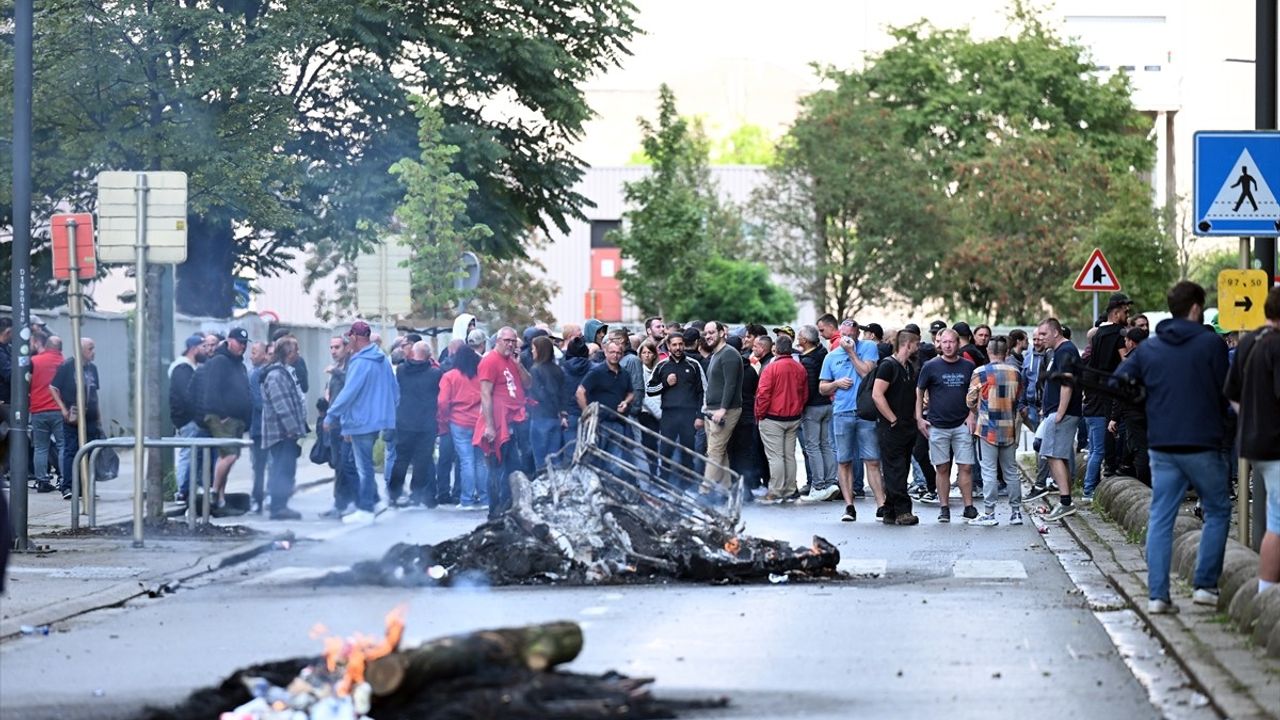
(746, 453)
(676, 426)
(416, 448)
(920, 451)
(258, 459)
(282, 472)
(500, 475)
(346, 483)
(1136, 437)
(70, 446)
(448, 473)
(896, 448)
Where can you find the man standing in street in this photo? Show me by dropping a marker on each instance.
(894, 393)
(842, 372)
(610, 386)
(993, 394)
(1104, 355)
(284, 423)
(257, 451)
(44, 413)
(678, 380)
(1253, 386)
(779, 406)
(364, 408)
(416, 427)
(225, 407)
(656, 330)
(1061, 408)
(723, 402)
(503, 382)
(948, 423)
(182, 406)
(815, 427)
(1184, 368)
(64, 393)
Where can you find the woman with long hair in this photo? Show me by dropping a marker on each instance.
(651, 410)
(457, 411)
(549, 418)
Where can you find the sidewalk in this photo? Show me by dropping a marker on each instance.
(74, 574)
(1227, 665)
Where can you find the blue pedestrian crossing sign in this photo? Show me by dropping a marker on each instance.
(1232, 193)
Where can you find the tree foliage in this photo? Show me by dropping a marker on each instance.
(287, 116)
(735, 291)
(1204, 271)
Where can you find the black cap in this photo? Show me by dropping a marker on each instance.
(912, 328)
(1118, 299)
(937, 326)
(240, 335)
(962, 329)
(874, 329)
(1136, 334)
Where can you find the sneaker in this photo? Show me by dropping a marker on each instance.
(286, 514)
(1161, 607)
(332, 514)
(1038, 491)
(859, 494)
(1015, 517)
(970, 512)
(880, 511)
(985, 520)
(822, 495)
(930, 498)
(944, 515)
(359, 517)
(850, 514)
(66, 493)
(1086, 500)
(916, 492)
(770, 499)
(1059, 512)
(906, 519)
(45, 487)
(1205, 596)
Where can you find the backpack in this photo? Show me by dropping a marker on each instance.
(865, 403)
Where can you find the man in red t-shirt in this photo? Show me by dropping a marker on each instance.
(45, 413)
(502, 412)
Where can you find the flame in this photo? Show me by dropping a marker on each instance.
(733, 545)
(352, 655)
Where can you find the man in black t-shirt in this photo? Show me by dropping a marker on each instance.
(895, 397)
(949, 423)
(1061, 408)
(63, 389)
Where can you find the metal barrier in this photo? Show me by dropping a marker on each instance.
(606, 442)
(89, 499)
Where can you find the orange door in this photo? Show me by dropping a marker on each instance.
(604, 297)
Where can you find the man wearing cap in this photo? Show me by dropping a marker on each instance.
(182, 406)
(1104, 356)
(224, 405)
(365, 407)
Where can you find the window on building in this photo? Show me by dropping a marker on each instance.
(600, 230)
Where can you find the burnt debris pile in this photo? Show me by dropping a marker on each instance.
(597, 518)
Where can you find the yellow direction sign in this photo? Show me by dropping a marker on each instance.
(1241, 294)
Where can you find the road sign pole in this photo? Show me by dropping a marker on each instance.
(75, 304)
(1094, 318)
(19, 400)
(139, 358)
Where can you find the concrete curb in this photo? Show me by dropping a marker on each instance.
(121, 593)
(1128, 502)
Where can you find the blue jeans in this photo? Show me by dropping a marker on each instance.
(547, 437)
(70, 446)
(282, 473)
(367, 491)
(845, 431)
(819, 454)
(46, 435)
(1171, 473)
(258, 459)
(475, 491)
(1097, 426)
(188, 466)
(388, 454)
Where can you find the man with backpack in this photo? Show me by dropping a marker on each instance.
(894, 394)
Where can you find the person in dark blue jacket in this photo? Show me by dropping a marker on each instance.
(1183, 367)
(575, 365)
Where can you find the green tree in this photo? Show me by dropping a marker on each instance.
(1139, 250)
(849, 213)
(1204, 272)
(747, 145)
(735, 291)
(515, 290)
(433, 217)
(676, 220)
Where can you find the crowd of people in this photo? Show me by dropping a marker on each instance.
(890, 416)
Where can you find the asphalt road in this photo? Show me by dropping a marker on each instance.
(940, 620)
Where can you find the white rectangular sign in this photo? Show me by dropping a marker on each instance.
(382, 285)
(166, 216)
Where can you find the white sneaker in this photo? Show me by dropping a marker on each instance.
(822, 495)
(985, 520)
(1161, 607)
(359, 517)
(1015, 517)
(1205, 596)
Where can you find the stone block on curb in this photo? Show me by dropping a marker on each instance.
(1235, 577)
(1242, 609)
(1268, 616)
(1185, 524)
(1185, 549)
(1136, 517)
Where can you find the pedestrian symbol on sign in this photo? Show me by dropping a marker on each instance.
(1246, 183)
(1244, 186)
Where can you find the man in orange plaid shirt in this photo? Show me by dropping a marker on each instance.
(993, 393)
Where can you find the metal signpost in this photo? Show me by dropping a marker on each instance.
(1095, 277)
(73, 256)
(142, 217)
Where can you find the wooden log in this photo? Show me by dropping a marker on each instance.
(536, 647)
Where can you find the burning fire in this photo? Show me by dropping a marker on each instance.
(350, 655)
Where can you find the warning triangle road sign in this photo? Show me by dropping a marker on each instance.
(1096, 275)
(1244, 193)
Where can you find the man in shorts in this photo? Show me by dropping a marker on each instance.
(948, 423)
(224, 404)
(1061, 409)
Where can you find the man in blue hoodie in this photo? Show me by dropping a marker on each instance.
(365, 407)
(1183, 367)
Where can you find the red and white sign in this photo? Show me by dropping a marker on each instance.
(1097, 276)
(85, 259)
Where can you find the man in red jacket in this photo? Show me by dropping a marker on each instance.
(780, 400)
(45, 413)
